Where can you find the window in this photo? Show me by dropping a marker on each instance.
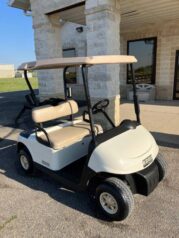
(145, 52)
(71, 73)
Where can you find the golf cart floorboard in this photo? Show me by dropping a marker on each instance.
(70, 176)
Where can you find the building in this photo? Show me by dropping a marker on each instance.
(149, 30)
(20, 74)
(7, 71)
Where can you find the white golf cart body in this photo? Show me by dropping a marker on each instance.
(125, 153)
(113, 156)
(56, 159)
(112, 164)
(126, 150)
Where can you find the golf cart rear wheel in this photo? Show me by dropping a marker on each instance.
(114, 199)
(162, 167)
(26, 162)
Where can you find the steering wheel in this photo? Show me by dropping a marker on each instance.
(100, 106)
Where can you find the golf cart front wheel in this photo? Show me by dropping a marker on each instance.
(114, 199)
(26, 162)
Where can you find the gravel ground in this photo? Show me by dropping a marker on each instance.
(39, 207)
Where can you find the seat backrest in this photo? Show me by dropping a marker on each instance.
(48, 112)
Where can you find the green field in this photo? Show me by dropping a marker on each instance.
(16, 84)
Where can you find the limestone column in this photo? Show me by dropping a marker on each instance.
(103, 38)
(47, 45)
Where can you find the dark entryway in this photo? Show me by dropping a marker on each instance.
(176, 80)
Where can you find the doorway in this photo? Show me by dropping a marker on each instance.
(176, 79)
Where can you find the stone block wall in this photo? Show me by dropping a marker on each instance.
(49, 42)
(47, 45)
(100, 38)
(103, 34)
(73, 39)
(167, 43)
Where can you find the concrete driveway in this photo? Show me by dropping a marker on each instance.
(39, 207)
(160, 117)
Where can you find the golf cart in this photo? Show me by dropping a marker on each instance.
(111, 165)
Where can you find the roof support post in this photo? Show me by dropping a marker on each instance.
(47, 45)
(103, 38)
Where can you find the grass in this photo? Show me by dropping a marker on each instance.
(16, 84)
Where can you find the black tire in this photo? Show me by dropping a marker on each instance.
(28, 170)
(162, 167)
(122, 196)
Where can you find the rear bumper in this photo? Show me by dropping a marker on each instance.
(144, 181)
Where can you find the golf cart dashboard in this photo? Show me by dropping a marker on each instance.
(123, 127)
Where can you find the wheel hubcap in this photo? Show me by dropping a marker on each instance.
(24, 162)
(108, 203)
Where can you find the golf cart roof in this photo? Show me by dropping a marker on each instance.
(77, 61)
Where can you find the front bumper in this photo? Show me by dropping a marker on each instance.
(144, 181)
(147, 179)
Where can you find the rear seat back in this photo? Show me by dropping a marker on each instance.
(48, 112)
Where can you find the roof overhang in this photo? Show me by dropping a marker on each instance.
(136, 16)
(133, 16)
(72, 13)
(21, 4)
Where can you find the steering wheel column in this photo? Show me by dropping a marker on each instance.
(100, 107)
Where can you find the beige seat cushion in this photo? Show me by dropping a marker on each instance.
(69, 135)
(48, 112)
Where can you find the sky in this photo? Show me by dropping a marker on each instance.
(16, 36)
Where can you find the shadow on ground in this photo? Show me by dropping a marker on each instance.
(11, 104)
(10, 168)
(167, 140)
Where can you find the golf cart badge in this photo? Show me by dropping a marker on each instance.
(147, 161)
